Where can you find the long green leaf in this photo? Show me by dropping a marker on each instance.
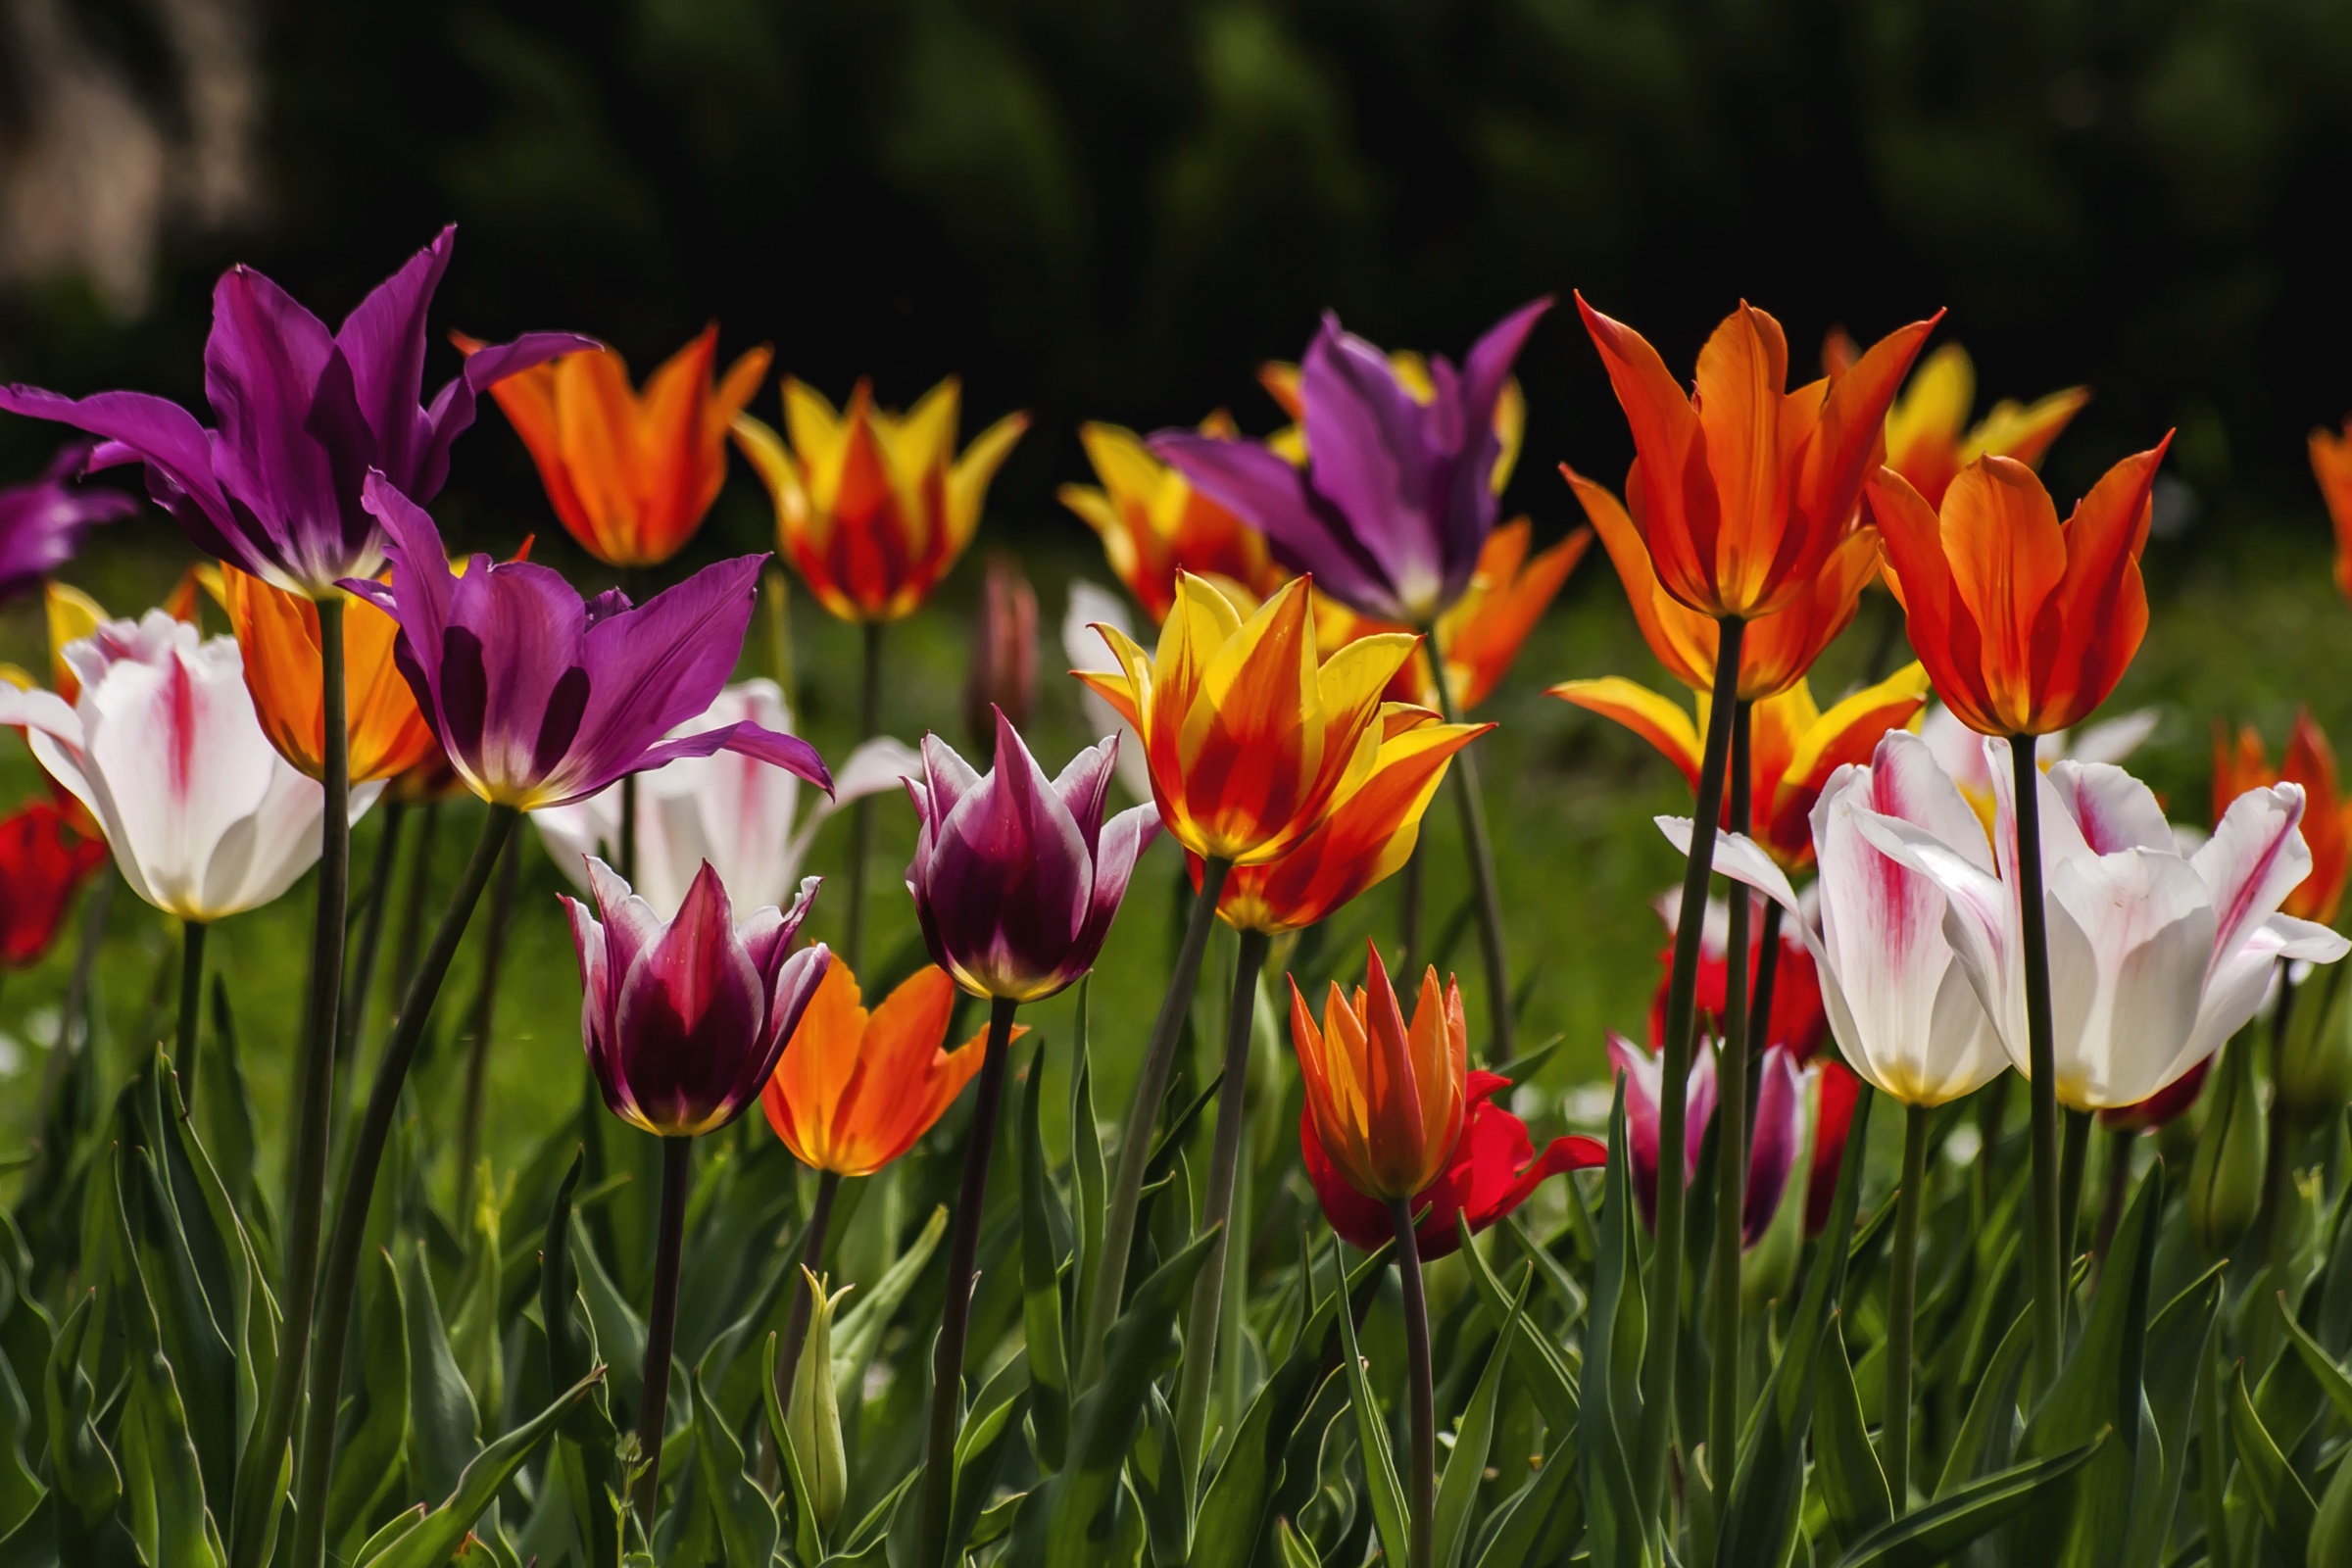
(2323, 1370)
(1473, 1436)
(1041, 1284)
(857, 1332)
(1995, 1406)
(445, 1430)
(2278, 1493)
(1622, 1533)
(375, 1424)
(1372, 1444)
(1549, 1381)
(746, 1518)
(431, 1540)
(163, 1478)
(1853, 1483)
(1943, 1527)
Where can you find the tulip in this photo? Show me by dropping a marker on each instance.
(1835, 1094)
(630, 474)
(1003, 672)
(1154, 522)
(44, 863)
(278, 634)
(2331, 466)
(42, 524)
(1960, 751)
(1091, 607)
(2225, 1177)
(1285, 383)
(683, 1021)
(732, 810)
(1480, 637)
(811, 1418)
(305, 415)
(1397, 494)
(1929, 438)
(1795, 1018)
(1778, 1131)
(2163, 1108)
(2326, 815)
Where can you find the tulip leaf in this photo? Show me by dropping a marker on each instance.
(619, 1331)
(436, 1535)
(809, 1542)
(374, 1422)
(746, 1518)
(988, 1432)
(2278, 1493)
(1089, 1179)
(228, 1113)
(857, 1332)
(2323, 1370)
(1536, 1523)
(1040, 1285)
(1853, 1483)
(1550, 1270)
(85, 1481)
(1993, 1407)
(1548, 1378)
(1155, 1475)
(1473, 1437)
(1372, 1442)
(1620, 1531)
(445, 1430)
(2175, 1350)
(1939, 1531)
(1293, 1550)
(161, 1474)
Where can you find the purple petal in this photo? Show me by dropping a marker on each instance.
(1010, 877)
(947, 779)
(652, 668)
(1273, 496)
(166, 437)
(42, 524)
(1640, 1073)
(511, 686)
(788, 998)
(455, 404)
(486, 366)
(596, 992)
(691, 1012)
(1369, 453)
(1083, 785)
(1123, 840)
(382, 343)
(769, 934)
(262, 367)
(422, 588)
(1471, 505)
(1780, 1129)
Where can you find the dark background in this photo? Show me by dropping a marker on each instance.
(1115, 210)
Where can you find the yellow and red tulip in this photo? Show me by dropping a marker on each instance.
(1153, 524)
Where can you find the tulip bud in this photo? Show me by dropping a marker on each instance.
(2315, 1064)
(2224, 1179)
(814, 1420)
(1003, 668)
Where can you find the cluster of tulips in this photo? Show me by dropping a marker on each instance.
(195, 1375)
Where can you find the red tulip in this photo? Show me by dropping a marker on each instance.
(42, 862)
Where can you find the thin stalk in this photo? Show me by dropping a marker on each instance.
(1217, 1214)
(1903, 1295)
(191, 1008)
(339, 1282)
(2073, 1164)
(1408, 911)
(861, 811)
(661, 1327)
(626, 849)
(1135, 1134)
(1731, 1164)
(812, 1252)
(485, 1015)
(1759, 1011)
(412, 900)
(1666, 1268)
(314, 1104)
(1421, 1486)
(361, 984)
(2049, 1268)
(947, 1361)
(1481, 850)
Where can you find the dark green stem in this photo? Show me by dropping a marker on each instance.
(340, 1278)
(626, 850)
(2049, 1267)
(1142, 1114)
(485, 1015)
(1730, 1135)
(661, 1325)
(1487, 890)
(191, 1008)
(812, 1252)
(1421, 1485)
(955, 1316)
(1903, 1295)
(1759, 1011)
(371, 937)
(861, 810)
(1682, 985)
(1216, 1213)
(413, 898)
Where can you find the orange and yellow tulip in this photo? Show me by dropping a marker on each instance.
(277, 632)
(1155, 524)
(1365, 841)
(630, 474)
(2331, 466)
(873, 507)
(1741, 491)
(1251, 736)
(2327, 815)
(1385, 1098)
(1796, 746)
(2024, 623)
(853, 1090)
(1929, 438)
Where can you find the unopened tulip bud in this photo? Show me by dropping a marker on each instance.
(2224, 1179)
(814, 1419)
(2315, 1062)
(1003, 668)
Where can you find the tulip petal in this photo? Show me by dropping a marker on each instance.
(1779, 1131)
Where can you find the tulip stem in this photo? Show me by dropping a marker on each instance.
(1217, 1214)
(362, 982)
(313, 1103)
(412, 897)
(662, 1326)
(1135, 1134)
(861, 810)
(1681, 987)
(947, 1361)
(812, 1252)
(1421, 1486)
(339, 1280)
(1730, 1144)
(191, 1008)
(1902, 1296)
(1759, 1008)
(2049, 1268)
(1481, 850)
(485, 1014)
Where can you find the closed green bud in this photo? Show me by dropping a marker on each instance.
(814, 1419)
(2315, 1061)
(2224, 1179)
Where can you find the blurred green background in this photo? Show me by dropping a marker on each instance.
(1117, 211)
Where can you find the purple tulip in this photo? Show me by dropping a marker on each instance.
(683, 1019)
(540, 698)
(304, 415)
(1016, 879)
(41, 523)
(1778, 1135)
(1397, 496)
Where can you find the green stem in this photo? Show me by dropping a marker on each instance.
(313, 1100)
(955, 1316)
(1682, 985)
(662, 1326)
(1143, 1112)
(1481, 850)
(191, 1008)
(371, 937)
(1903, 1295)
(1421, 1485)
(1759, 1011)
(626, 849)
(2049, 1268)
(1217, 1214)
(1730, 1144)
(339, 1280)
(812, 1252)
(485, 1015)
(861, 810)
(413, 898)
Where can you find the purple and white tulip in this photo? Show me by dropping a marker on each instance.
(41, 523)
(1779, 1138)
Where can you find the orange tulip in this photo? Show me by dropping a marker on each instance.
(630, 474)
(2327, 815)
(277, 632)
(2331, 466)
(1251, 739)
(872, 507)
(2024, 623)
(1367, 837)
(1385, 1098)
(1794, 749)
(854, 1090)
(1155, 524)
(1739, 490)
(1929, 438)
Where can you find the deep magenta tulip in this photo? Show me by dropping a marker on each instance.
(43, 522)
(683, 1019)
(1015, 878)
